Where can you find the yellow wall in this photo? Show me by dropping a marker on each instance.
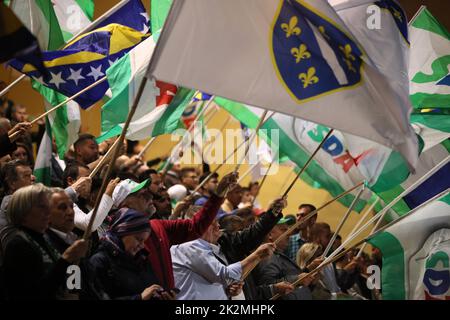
(301, 193)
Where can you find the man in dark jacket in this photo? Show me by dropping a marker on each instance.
(236, 246)
(280, 268)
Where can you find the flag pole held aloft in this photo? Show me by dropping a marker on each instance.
(62, 104)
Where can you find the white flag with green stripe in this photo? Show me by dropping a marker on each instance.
(333, 168)
(344, 159)
(160, 107)
(416, 253)
(54, 23)
(429, 61)
(395, 179)
(433, 126)
(43, 164)
(73, 15)
(40, 18)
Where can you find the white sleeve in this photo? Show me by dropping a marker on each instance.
(82, 219)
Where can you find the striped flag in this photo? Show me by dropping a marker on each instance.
(43, 164)
(54, 23)
(429, 61)
(160, 107)
(310, 66)
(416, 253)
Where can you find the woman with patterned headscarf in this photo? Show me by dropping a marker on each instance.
(120, 263)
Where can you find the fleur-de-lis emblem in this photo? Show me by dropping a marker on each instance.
(397, 14)
(322, 31)
(300, 53)
(309, 77)
(349, 57)
(291, 28)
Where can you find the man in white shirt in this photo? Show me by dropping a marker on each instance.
(75, 172)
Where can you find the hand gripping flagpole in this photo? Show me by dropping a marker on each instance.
(12, 136)
(334, 257)
(117, 149)
(306, 218)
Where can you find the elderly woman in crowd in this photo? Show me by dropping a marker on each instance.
(32, 268)
(120, 263)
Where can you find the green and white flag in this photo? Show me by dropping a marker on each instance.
(160, 107)
(54, 23)
(433, 126)
(159, 11)
(332, 169)
(40, 18)
(43, 164)
(395, 178)
(65, 122)
(416, 253)
(344, 159)
(73, 15)
(429, 61)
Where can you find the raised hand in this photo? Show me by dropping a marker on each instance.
(227, 183)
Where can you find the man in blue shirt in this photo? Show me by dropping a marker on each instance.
(207, 188)
(202, 272)
(301, 236)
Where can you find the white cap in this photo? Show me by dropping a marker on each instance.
(177, 192)
(122, 191)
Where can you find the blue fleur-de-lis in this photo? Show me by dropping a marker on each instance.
(348, 56)
(291, 28)
(309, 77)
(300, 53)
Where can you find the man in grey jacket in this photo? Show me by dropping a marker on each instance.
(280, 268)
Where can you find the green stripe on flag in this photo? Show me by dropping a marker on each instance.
(393, 271)
(60, 120)
(113, 132)
(88, 8)
(394, 172)
(116, 109)
(446, 145)
(425, 100)
(159, 11)
(426, 21)
(289, 148)
(431, 120)
(43, 175)
(171, 117)
(55, 37)
(439, 70)
(446, 199)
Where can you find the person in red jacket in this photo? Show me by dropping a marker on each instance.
(165, 233)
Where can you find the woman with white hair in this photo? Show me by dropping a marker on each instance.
(31, 267)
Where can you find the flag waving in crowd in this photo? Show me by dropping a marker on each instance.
(325, 68)
(324, 96)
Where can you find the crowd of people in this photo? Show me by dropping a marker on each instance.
(154, 235)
